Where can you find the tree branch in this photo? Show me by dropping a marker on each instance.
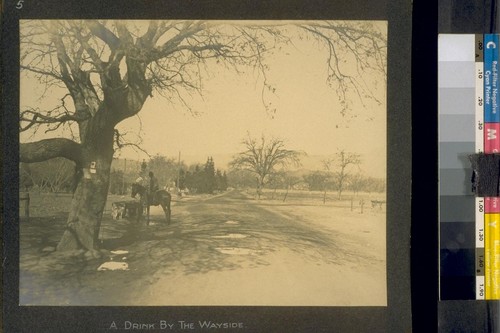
(33, 117)
(42, 72)
(121, 143)
(50, 148)
(172, 44)
(104, 34)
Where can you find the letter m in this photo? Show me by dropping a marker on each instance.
(492, 134)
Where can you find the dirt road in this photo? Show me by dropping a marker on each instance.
(224, 250)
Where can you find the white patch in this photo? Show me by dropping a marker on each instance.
(233, 236)
(113, 266)
(119, 252)
(232, 222)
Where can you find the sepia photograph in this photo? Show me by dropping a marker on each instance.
(203, 163)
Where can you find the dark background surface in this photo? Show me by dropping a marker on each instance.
(421, 67)
(424, 229)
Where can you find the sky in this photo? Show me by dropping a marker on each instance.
(307, 115)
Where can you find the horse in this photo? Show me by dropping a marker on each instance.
(162, 198)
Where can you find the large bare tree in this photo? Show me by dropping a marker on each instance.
(106, 70)
(337, 168)
(262, 157)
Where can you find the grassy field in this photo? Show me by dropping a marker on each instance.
(54, 204)
(318, 198)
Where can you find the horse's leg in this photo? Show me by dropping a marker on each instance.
(166, 211)
(147, 210)
(138, 212)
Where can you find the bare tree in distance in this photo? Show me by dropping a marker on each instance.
(103, 71)
(357, 182)
(262, 157)
(166, 169)
(285, 180)
(337, 168)
(289, 181)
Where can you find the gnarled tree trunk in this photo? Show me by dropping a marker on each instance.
(93, 159)
(89, 199)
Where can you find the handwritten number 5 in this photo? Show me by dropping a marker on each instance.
(19, 4)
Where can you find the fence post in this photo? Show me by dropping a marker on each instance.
(24, 197)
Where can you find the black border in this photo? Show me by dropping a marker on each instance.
(396, 317)
(424, 228)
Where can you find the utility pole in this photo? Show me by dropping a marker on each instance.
(124, 175)
(179, 173)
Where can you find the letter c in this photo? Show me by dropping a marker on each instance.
(491, 45)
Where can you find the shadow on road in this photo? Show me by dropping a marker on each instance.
(225, 233)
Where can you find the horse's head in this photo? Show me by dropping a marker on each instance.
(136, 189)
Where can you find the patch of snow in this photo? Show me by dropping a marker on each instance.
(119, 252)
(113, 266)
(49, 249)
